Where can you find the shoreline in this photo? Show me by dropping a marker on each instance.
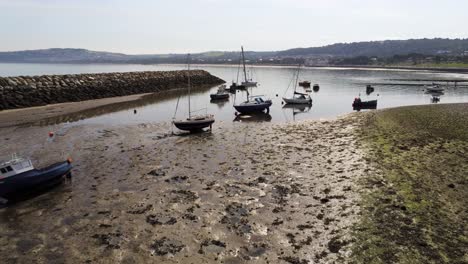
(358, 67)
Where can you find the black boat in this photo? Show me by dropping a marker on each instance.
(193, 123)
(254, 104)
(369, 89)
(359, 104)
(221, 94)
(18, 176)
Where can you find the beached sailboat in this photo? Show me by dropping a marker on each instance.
(297, 98)
(193, 122)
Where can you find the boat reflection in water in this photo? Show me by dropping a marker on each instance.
(297, 109)
(219, 102)
(253, 117)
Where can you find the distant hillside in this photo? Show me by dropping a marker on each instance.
(382, 49)
(61, 55)
(385, 48)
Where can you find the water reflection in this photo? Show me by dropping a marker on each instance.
(253, 117)
(297, 109)
(121, 106)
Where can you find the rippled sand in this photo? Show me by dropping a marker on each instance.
(251, 193)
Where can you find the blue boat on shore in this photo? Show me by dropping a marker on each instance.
(18, 176)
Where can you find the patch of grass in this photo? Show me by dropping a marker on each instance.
(414, 205)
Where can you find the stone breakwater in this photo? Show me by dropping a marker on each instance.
(27, 91)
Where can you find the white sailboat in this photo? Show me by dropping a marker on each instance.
(297, 98)
(247, 82)
(193, 122)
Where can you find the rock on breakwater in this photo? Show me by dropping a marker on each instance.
(27, 91)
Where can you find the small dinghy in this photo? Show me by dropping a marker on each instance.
(18, 176)
(221, 94)
(359, 104)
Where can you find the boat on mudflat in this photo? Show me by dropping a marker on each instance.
(193, 123)
(18, 176)
(359, 104)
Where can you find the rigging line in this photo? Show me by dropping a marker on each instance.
(188, 77)
(289, 85)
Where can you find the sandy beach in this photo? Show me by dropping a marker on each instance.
(257, 193)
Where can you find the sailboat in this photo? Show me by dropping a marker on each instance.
(297, 98)
(256, 103)
(193, 122)
(247, 82)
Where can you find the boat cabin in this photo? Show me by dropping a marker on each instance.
(15, 166)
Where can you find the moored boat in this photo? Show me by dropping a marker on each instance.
(434, 89)
(316, 87)
(254, 104)
(297, 98)
(194, 122)
(221, 94)
(18, 176)
(369, 89)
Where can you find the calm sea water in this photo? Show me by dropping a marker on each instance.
(338, 88)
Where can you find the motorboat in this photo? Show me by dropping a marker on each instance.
(18, 176)
(221, 94)
(192, 123)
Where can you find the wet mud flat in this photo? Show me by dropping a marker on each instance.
(250, 193)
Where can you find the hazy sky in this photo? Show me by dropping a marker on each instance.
(156, 26)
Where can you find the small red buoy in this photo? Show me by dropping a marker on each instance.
(51, 134)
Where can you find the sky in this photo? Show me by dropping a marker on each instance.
(180, 26)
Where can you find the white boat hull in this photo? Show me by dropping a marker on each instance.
(297, 100)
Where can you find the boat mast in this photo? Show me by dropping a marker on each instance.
(243, 62)
(297, 78)
(188, 78)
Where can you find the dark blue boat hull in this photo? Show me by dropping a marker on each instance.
(245, 109)
(32, 180)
